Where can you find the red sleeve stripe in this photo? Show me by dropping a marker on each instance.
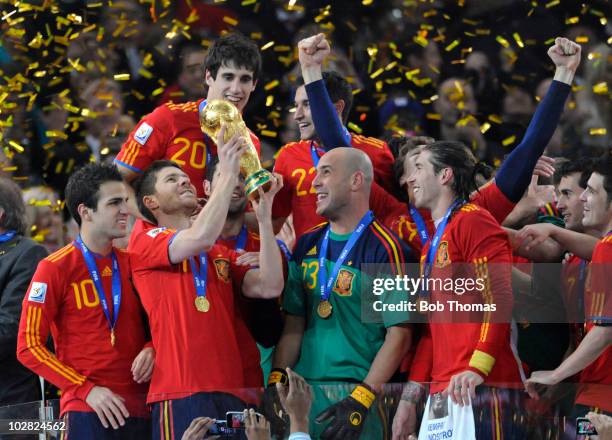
(482, 272)
(41, 353)
(396, 254)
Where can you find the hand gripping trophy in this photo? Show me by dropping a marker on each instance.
(217, 112)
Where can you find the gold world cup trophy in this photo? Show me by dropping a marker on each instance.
(217, 112)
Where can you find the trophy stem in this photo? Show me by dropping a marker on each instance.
(255, 181)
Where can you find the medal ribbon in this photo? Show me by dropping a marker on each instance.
(420, 224)
(435, 243)
(199, 276)
(326, 283)
(95, 276)
(7, 236)
(241, 239)
(314, 153)
(284, 248)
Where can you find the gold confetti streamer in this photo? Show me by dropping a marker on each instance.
(601, 88)
(508, 141)
(501, 40)
(271, 85)
(518, 40)
(598, 131)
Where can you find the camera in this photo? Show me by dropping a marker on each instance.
(235, 419)
(585, 427)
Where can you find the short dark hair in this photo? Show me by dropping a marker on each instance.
(84, 186)
(145, 185)
(11, 202)
(603, 166)
(458, 157)
(582, 165)
(233, 48)
(338, 88)
(211, 167)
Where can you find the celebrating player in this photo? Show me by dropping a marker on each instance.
(187, 285)
(83, 295)
(172, 131)
(514, 175)
(297, 161)
(323, 338)
(260, 320)
(464, 352)
(593, 357)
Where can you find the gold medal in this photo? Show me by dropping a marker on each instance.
(113, 338)
(202, 304)
(324, 309)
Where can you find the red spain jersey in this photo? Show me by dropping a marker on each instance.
(294, 162)
(172, 132)
(245, 318)
(251, 359)
(396, 215)
(473, 246)
(62, 300)
(572, 289)
(196, 351)
(596, 379)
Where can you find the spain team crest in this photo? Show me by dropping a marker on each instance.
(222, 268)
(344, 283)
(442, 258)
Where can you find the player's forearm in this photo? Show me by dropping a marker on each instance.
(515, 173)
(270, 262)
(289, 346)
(564, 75)
(36, 358)
(389, 357)
(328, 123)
(311, 74)
(547, 252)
(592, 346)
(207, 226)
(581, 245)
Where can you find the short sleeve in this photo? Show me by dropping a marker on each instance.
(148, 141)
(148, 249)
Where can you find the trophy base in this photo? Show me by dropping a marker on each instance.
(259, 179)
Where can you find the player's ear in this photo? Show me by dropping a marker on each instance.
(446, 175)
(84, 212)
(208, 78)
(254, 85)
(357, 180)
(150, 202)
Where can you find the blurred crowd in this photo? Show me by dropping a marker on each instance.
(77, 75)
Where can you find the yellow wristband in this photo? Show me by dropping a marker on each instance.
(277, 376)
(364, 396)
(482, 362)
